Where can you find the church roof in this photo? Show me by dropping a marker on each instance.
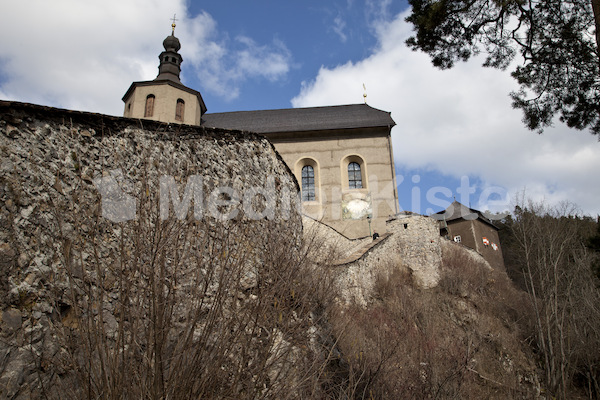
(301, 119)
(457, 210)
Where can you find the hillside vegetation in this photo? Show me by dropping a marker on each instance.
(465, 338)
(479, 333)
(552, 253)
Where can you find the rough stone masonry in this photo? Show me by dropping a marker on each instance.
(82, 193)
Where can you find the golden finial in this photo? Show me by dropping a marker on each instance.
(173, 24)
(365, 93)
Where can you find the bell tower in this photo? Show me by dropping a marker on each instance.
(170, 60)
(165, 98)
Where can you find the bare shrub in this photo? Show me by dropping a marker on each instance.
(390, 280)
(549, 249)
(189, 309)
(461, 274)
(157, 307)
(458, 341)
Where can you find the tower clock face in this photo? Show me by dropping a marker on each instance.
(357, 208)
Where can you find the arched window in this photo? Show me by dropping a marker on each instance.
(149, 110)
(308, 183)
(180, 108)
(354, 176)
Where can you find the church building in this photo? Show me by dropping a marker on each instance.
(341, 155)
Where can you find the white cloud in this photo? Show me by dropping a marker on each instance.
(339, 25)
(222, 65)
(270, 62)
(80, 55)
(461, 122)
(83, 55)
(377, 12)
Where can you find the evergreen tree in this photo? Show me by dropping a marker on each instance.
(557, 41)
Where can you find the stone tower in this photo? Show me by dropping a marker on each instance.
(165, 98)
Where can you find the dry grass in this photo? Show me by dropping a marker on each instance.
(454, 342)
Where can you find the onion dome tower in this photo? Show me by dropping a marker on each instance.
(170, 60)
(165, 98)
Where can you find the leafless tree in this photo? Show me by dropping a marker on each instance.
(551, 253)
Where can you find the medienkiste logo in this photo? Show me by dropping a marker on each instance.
(117, 206)
(222, 202)
(270, 201)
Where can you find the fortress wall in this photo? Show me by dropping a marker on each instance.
(415, 243)
(87, 207)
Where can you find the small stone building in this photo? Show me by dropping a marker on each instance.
(472, 229)
(341, 155)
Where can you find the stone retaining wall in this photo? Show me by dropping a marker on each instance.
(414, 243)
(92, 205)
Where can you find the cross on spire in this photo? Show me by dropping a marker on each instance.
(173, 24)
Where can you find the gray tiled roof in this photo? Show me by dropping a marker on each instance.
(301, 119)
(457, 210)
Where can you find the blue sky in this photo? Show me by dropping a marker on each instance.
(309, 34)
(456, 134)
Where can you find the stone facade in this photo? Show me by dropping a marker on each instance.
(414, 243)
(331, 154)
(82, 222)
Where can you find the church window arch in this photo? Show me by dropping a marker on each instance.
(149, 110)
(354, 172)
(308, 172)
(308, 183)
(354, 176)
(179, 110)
